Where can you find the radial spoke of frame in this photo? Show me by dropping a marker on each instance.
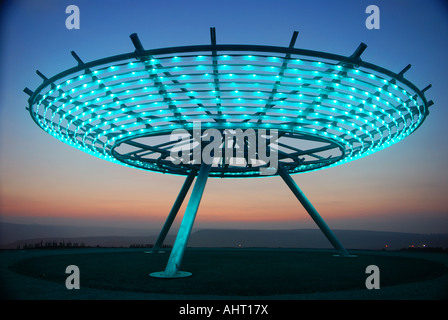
(280, 75)
(216, 74)
(162, 91)
(150, 152)
(159, 65)
(310, 152)
(147, 147)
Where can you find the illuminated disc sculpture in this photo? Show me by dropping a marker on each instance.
(325, 110)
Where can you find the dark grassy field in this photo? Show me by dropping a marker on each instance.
(229, 272)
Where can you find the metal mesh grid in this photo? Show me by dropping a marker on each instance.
(328, 109)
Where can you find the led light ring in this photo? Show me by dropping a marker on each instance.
(348, 106)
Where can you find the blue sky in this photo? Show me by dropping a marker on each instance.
(401, 188)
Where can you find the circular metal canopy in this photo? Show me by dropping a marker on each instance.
(324, 109)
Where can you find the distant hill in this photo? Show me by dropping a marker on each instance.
(14, 235)
(314, 238)
(15, 232)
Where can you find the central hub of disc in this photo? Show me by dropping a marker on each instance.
(231, 152)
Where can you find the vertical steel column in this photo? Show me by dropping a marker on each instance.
(174, 210)
(312, 212)
(177, 253)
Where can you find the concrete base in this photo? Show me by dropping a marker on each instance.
(345, 256)
(179, 274)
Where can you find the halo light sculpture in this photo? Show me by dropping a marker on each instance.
(328, 109)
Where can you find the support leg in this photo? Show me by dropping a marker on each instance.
(312, 212)
(177, 253)
(172, 215)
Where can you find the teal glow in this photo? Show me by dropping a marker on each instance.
(359, 109)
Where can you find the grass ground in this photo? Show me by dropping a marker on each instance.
(222, 274)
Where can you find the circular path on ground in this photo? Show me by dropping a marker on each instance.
(222, 273)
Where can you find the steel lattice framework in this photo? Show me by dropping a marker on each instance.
(328, 109)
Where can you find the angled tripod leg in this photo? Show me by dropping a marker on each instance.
(172, 215)
(312, 212)
(177, 253)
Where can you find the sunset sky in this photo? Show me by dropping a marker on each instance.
(43, 181)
